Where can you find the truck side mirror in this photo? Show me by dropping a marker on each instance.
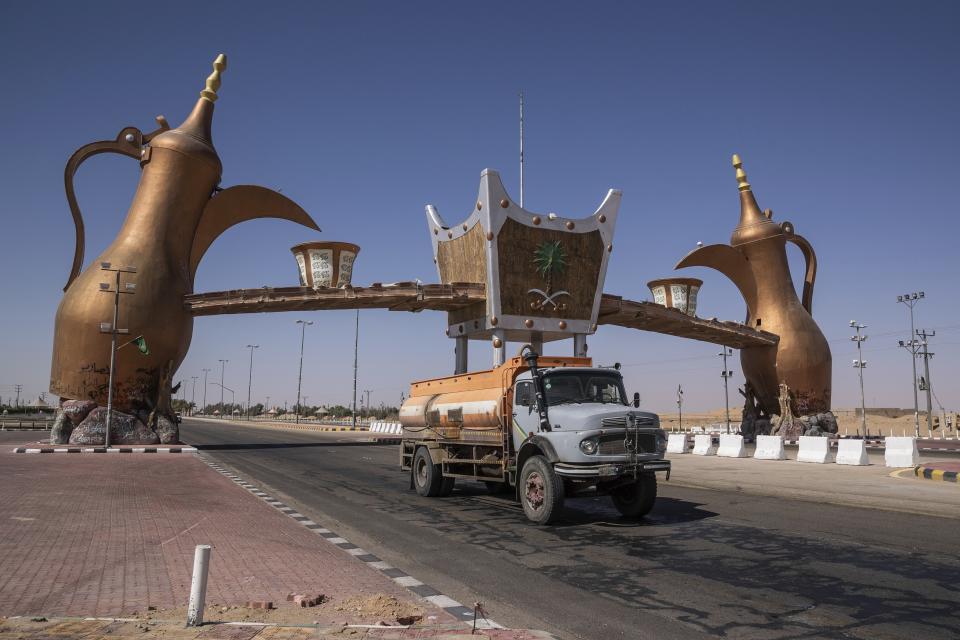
(636, 399)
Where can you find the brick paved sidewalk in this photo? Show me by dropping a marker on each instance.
(111, 535)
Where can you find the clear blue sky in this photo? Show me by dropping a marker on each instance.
(845, 115)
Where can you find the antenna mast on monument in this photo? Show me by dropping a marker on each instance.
(521, 149)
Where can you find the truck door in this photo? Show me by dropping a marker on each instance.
(526, 420)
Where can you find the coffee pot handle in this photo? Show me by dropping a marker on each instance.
(810, 277)
(129, 142)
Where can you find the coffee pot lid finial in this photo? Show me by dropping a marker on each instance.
(213, 80)
(742, 183)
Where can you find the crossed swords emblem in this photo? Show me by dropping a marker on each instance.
(548, 299)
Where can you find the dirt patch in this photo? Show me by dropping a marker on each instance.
(373, 609)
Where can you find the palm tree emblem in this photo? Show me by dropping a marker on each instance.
(549, 258)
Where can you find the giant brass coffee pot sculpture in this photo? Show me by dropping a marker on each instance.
(177, 212)
(756, 262)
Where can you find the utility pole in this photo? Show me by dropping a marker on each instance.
(356, 346)
(367, 392)
(112, 329)
(924, 334)
(680, 405)
(19, 388)
(268, 404)
(859, 364)
(250, 378)
(303, 331)
(911, 299)
(223, 367)
(193, 395)
(727, 374)
(205, 372)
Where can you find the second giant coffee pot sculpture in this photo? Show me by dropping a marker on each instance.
(177, 212)
(794, 377)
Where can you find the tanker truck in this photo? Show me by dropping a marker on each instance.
(544, 427)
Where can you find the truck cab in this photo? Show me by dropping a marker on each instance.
(548, 433)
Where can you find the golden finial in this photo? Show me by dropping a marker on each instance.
(213, 82)
(742, 183)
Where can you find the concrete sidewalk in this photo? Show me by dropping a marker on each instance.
(874, 486)
(115, 535)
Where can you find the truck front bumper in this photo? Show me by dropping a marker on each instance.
(612, 469)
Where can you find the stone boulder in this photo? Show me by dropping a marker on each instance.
(124, 429)
(168, 430)
(62, 428)
(828, 422)
(77, 410)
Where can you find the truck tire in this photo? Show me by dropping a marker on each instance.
(541, 491)
(428, 479)
(636, 500)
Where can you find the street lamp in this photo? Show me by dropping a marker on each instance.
(727, 374)
(112, 329)
(205, 372)
(193, 394)
(680, 406)
(250, 379)
(859, 364)
(223, 366)
(911, 299)
(303, 330)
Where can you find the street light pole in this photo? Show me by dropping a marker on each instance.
(223, 366)
(726, 378)
(356, 346)
(303, 330)
(193, 394)
(113, 331)
(250, 379)
(205, 372)
(860, 364)
(911, 299)
(680, 405)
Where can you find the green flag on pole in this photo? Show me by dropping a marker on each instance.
(142, 345)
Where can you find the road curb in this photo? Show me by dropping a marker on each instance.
(400, 577)
(104, 450)
(925, 472)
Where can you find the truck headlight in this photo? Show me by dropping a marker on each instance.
(661, 442)
(589, 446)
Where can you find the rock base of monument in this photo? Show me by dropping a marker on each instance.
(82, 422)
(791, 428)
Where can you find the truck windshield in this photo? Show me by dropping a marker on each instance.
(579, 387)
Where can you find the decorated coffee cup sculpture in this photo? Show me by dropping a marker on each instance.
(676, 293)
(324, 265)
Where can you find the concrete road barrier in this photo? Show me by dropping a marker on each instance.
(770, 448)
(901, 451)
(852, 451)
(731, 446)
(677, 443)
(814, 449)
(703, 445)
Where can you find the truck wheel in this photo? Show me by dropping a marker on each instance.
(636, 500)
(541, 491)
(428, 480)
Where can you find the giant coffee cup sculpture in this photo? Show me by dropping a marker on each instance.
(325, 265)
(793, 379)
(177, 212)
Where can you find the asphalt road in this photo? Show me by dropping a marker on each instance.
(704, 563)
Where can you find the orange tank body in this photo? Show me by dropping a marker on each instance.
(469, 406)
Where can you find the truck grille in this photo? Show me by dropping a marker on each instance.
(615, 444)
(620, 422)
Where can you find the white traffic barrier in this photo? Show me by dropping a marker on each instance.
(198, 586)
(677, 443)
(852, 451)
(731, 446)
(374, 426)
(770, 448)
(703, 445)
(814, 449)
(901, 452)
